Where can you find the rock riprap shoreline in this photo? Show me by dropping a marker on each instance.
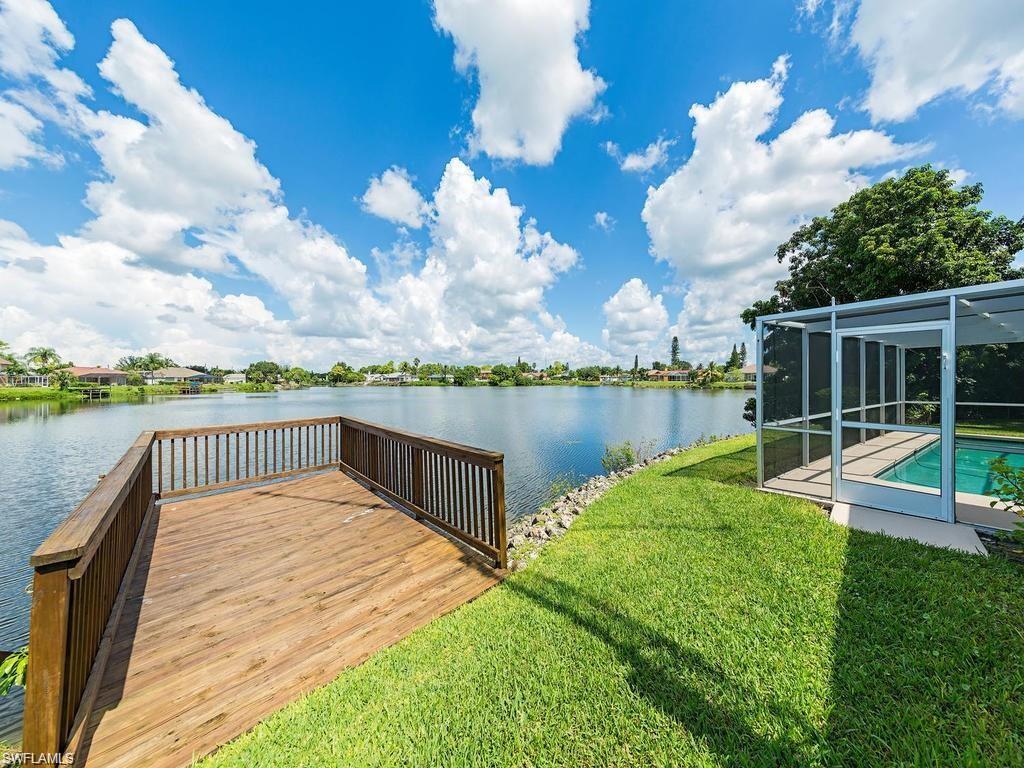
(527, 536)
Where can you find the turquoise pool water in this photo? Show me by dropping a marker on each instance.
(972, 464)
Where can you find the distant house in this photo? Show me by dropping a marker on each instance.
(234, 378)
(94, 374)
(682, 374)
(176, 376)
(618, 378)
(445, 377)
(750, 372)
(398, 377)
(374, 378)
(20, 379)
(484, 374)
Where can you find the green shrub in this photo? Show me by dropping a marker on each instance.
(1009, 489)
(63, 379)
(617, 457)
(12, 671)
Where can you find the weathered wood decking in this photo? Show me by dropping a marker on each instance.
(165, 622)
(225, 623)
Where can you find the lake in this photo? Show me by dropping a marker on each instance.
(51, 454)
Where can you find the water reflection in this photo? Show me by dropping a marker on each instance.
(51, 453)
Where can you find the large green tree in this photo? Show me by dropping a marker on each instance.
(263, 371)
(917, 232)
(734, 360)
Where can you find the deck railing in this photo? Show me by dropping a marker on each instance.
(82, 570)
(199, 459)
(77, 597)
(458, 488)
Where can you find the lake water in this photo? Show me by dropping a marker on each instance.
(52, 453)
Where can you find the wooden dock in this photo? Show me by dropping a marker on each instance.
(164, 623)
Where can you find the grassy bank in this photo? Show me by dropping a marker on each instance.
(686, 619)
(16, 394)
(688, 385)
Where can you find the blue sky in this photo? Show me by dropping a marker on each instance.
(333, 95)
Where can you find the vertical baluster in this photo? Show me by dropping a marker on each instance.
(206, 459)
(430, 506)
(159, 466)
(392, 475)
(461, 510)
(490, 507)
(446, 467)
(438, 486)
(195, 461)
(216, 457)
(474, 504)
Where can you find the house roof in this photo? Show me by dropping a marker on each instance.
(4, 363)
(174, 372)
(666, 373)
(94, 370)
(749, 368)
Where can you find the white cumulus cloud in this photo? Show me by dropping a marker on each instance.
(604, 220)
(180, 194)
(641, 161)
(392, 196)
(635, 321)
(718, 218)
(917, 51)
(525, 57)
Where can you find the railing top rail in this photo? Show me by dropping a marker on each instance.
(468, 453)
(220, 429)
(78, 536)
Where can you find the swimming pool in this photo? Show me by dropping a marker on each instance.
(972, 464)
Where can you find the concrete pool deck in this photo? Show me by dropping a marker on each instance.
(863, 461)
(959, 536)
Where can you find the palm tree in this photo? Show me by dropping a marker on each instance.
(154, 360)
(705, 376)
(43, 359)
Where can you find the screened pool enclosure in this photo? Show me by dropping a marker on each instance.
(897, 404)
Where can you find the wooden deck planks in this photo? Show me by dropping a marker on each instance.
(246, 600)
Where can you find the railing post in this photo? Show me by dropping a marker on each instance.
(499, 513)
(47, 669)
(418, 493)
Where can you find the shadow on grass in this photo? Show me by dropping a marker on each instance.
(737, 467)
(675, 679)
(928, 658)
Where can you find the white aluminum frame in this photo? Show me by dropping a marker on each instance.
(936, 310)
(920, 503)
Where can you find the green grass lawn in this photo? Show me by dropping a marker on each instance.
(687, 619)
(994, 428)
(16, 394)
